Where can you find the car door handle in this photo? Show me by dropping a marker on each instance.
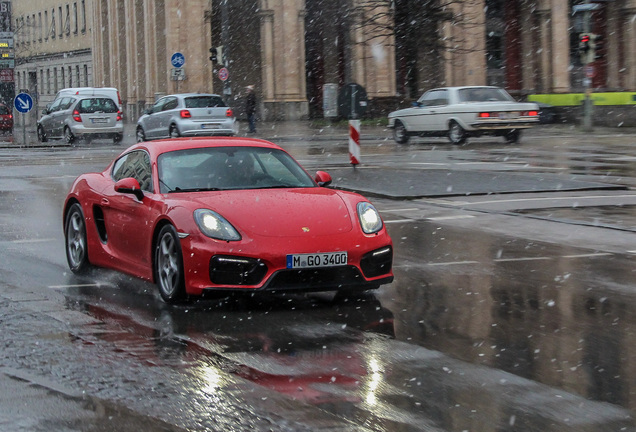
(105, 202)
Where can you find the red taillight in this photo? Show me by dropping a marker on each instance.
(185, 114)
(533, 113)
(76, 116)
(229, 113)
(120, 116)
(484, 115)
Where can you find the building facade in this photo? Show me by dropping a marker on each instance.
(291, 49)
(53, 47)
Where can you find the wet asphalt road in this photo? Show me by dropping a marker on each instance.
(512, 307)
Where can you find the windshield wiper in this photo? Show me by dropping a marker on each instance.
(198, 189)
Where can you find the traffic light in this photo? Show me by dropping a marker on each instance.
(585, 45)
(217, 54)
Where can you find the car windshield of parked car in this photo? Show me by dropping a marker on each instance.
(226, 168)
(96, 105)
(484, 94)
(204, 102)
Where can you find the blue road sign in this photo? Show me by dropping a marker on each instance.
(23, 103)
(178, 60)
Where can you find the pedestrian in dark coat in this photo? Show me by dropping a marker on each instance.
(250, 108)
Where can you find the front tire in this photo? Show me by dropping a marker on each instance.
(400, 134)
(141, 135)
(41, 134)
(169, 275)
(456, 133)
(76, 240)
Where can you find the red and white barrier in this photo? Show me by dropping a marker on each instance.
(354, 142)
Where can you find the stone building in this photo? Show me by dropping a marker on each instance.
(290, 49)
(53, 41)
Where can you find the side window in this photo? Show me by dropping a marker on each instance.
(135, 164)
(66, 103)
(158, 105)
(56, 105)
(170, 104)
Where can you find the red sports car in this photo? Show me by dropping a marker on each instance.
(203, 214)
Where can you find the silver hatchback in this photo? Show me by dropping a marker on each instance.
(84, 117)
(187, 114)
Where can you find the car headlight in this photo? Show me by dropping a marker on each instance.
(370, 219)
(215, 226)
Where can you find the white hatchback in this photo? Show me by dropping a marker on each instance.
(460, 112)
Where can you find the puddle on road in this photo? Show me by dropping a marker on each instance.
(617, 217)
(556, 315)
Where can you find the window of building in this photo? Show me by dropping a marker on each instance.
(55, 80)
(75, 25)
(61, 20)
(63, 77)
(70, 76)
(52, 28)
(46, 23)
(67, 20)
(48, 81)
(86, 76)
(77, 75)
(40, 27)
(83, 12)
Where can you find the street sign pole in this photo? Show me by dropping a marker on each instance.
(587, 81)
(23, 103)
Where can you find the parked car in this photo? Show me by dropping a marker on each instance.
(460, 112)
(188, 114)
(224, 214)
(6, 118)
(84, 117)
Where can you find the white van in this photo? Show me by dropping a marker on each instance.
(111, 92)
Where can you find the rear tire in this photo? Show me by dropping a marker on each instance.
(174, 132)
(76, 241)
(512, 136)
(169, 275)
(400, 134)
(68, 136)
(456, 133)
(118, 138)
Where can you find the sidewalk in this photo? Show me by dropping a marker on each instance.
(320, 130)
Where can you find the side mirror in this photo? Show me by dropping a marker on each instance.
(45, 111)
(129, 185)
(323, 178)
(416, 104)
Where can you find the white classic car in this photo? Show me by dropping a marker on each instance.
(460, 112)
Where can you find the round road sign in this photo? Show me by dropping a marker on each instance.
(224, 74)
(177, 60)
(23, 103)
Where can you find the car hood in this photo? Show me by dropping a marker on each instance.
(280, 212)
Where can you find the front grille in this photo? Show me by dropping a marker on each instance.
(235, 270)
(329, 278)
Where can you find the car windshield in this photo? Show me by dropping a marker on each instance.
(226, 168)
(484, 94)
(96, 105)
(204, 102)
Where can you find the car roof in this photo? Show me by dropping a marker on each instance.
(465, 87)
(192, 94)
(155, 148)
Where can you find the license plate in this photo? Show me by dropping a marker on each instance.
(508, 115)
(99, 120)
(210, 126)
(327, 259)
